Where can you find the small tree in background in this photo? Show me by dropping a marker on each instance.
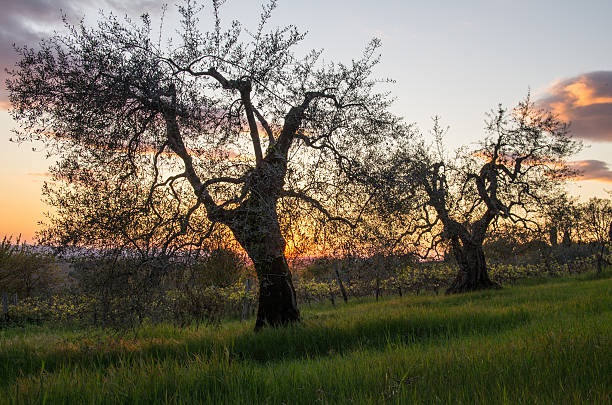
(597, 224)
(562, 217)
(24, 269)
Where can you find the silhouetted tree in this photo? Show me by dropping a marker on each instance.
(597, 220)
(454, 200)
(219, 125)
(562, 216)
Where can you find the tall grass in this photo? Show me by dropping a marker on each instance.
(545, 343)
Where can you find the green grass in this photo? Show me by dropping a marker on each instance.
(544, 343)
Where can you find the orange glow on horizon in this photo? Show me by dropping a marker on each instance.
(21, 208)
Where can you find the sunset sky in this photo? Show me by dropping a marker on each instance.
(449, 58)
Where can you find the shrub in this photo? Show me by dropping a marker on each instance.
(24, 269)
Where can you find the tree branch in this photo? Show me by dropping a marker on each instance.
(265, 125)
(316, 204)
(245, 94)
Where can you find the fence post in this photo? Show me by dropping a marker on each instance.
(245, 301)
(331, 292)
(340, 284)
(5, 304)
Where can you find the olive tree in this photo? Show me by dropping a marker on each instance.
(208, 128)
(597, 226)
(454, 200)
(562, 216)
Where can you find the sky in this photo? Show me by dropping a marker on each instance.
(454, 59)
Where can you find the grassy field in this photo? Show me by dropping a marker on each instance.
(541, 343)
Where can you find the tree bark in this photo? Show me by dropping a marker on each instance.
(277, 299)
(473, 274)
(255, 226)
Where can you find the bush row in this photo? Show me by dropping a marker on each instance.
(211, 303)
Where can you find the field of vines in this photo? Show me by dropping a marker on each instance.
(212, 304)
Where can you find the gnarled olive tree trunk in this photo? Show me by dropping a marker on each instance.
(277, 299)
(472, 274)
(255, 225)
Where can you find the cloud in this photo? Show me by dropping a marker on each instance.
(593, 170)
(26, 22)
(586, 102)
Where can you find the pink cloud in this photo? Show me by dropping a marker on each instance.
(593, 170)
(586, 102)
